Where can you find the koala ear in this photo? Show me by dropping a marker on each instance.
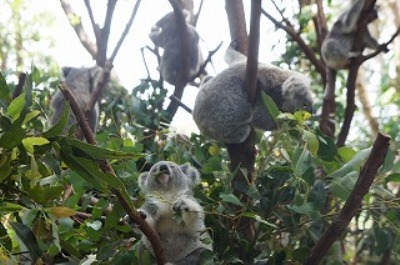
(191, 173)
(66, 70)
(142, 179)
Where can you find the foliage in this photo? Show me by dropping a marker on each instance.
(42, 218)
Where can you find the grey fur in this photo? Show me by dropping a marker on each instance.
(337, 47)
(168, 192)
(81, 82)
(223, 111)
(165, 34)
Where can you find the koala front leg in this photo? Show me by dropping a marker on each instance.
(192, 214)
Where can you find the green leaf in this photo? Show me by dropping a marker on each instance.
(58, 128)
(5, 239)
(230, 198)
(29, 240)
(5, 93)
(353, 165)
(312, 142)
(16, 107)
(301, 161)
(12, 137)
(395, 177)
(262, 221)
(31, 115)
(272, 108)
(98, 152)
(308, 209)
(30, 142)
(346, 153)
(342, 186)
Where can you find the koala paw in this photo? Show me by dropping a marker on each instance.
(181, 205)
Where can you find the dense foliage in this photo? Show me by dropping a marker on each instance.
(57, 206)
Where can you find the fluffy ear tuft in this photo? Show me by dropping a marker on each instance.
(66, 70)
(193, 175)
(142, 180)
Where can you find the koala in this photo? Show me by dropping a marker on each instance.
(165, 34)
(81, 82)
(168, 198)
(223, 111)
(336, 49)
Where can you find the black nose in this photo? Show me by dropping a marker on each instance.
(163, 168)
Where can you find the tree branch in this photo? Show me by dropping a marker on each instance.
(367, 15)
(310, 54)
(237, 24)
(79, 29)
(105, 166)
(353, 202)
(102, 41)
(204, 64)
(126, 30)
(95, 27)
(20, 86)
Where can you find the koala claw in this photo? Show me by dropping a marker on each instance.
(181, 205)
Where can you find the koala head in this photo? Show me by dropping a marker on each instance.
(297, 94)
(166, 176)
(83, 80)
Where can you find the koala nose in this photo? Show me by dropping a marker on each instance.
(163, 168)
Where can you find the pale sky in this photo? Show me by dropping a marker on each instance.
(212, 27)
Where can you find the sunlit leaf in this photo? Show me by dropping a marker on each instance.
(16, 107)
(272, 108)
(30, 142)
(312, 142)
(353, 165)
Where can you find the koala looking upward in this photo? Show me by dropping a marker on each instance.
(165, 34)
(168, 193)
(337, 47)
(223, 111)
(81, 82)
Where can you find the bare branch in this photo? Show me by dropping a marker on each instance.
(382, 48)
(105, 166)
(80, 31)
(197, 15)
(320, 67)
(237, 23)
(126, 30)
(102, 41)
(366, 17)
(20, 86)
(204, 64)
(180, 103)
(96, 28)
(353, 202)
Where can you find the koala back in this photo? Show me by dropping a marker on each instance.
(223, 110)
(81, 82)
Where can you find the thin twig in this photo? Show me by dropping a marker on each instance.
(353, 202)
(197, 15)
(180, 103)
(126, 30)
(204, 64)
(320, 67)
(92, 21)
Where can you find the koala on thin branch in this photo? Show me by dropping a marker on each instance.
(81, 82)
(223, 110)
(173, 212)
(336, 49)
(165, 34)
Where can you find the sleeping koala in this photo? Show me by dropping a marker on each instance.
(81, 82)
(223, 110)
(173, 212)
(337, 47)
(165, 34)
